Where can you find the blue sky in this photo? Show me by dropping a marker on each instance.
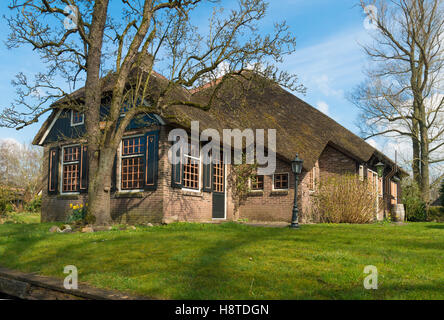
(328, 59)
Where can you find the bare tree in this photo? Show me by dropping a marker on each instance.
(147, 34)
(20, 167)
(403, 93)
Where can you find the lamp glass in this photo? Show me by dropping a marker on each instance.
(380, 169)
(296, 165)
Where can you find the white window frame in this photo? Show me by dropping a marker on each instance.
(381, 190)
(375, 179)
(393, 183)
(72, 119)
(119, 166)
(313, 171)
(250, 185)
(200, 171)
(361, 173)
(62, 163)
(279, 173)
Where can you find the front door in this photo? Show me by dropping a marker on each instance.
(218, 190)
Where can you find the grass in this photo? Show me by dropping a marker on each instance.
(232, 261)
(20, 217)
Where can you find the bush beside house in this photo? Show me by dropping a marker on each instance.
(415, 207)
(345, 199)
(435, 214)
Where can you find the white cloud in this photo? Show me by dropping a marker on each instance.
(324, 85)
(339, 58)
(373, 143)
(323, 107)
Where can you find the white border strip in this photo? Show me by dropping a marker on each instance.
(50, 127)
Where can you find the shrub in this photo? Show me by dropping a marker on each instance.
(345, 199)
(9, 207)
(415, 207)
(5, 200)
(78, 213)
(435, 214)
(34, 205)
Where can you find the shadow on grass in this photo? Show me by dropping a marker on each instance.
(439, 226)
(20, 238)
(203, 271)
(198, 262)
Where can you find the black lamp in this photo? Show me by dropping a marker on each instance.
(296, 167)
(380, 168)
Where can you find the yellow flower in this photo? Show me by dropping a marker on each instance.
(70, 205)
(75, 207)
(81, 206)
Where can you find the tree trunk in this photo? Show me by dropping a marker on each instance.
(425, 179)
(416, 153)
(98, 195)
(100, 187)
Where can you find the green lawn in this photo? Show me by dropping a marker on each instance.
(231, 261)
(20, 217)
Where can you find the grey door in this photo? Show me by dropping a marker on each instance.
(218, 190)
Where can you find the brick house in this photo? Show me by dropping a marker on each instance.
(147, 188)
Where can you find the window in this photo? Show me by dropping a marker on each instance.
(77, 118)
(361, 173)
(375, 181)
(380, 187)
(257, 183)
(191, 171)
(218, 177)
(312, 179)
(124, 110)
(372, 178)
(394, 192)
(280, 181)
(70, 169)
(132, 164)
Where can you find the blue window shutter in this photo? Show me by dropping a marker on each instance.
(53, 170)
(207, 173)
(84, 169)
(151, 160)
(114, 175)
(177, 170)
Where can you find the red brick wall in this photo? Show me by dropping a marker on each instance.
(168, 202)
(270, 206)
(333, 162)
(187, 205)
(143, 207)
(125, 208)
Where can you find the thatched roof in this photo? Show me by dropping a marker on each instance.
(156, 82)
(300, 127)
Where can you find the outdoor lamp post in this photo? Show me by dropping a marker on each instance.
(296, 167)
(380, 168)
